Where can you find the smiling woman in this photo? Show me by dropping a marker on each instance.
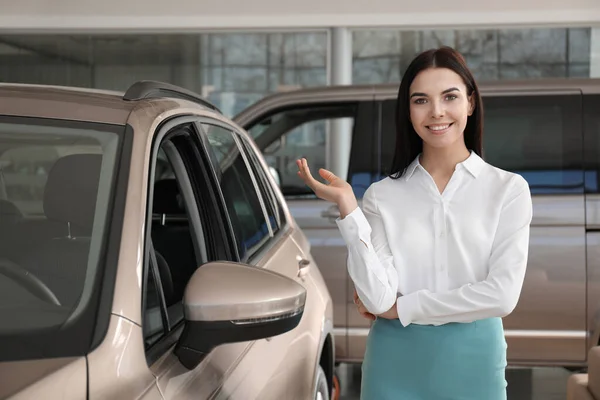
(438, 250)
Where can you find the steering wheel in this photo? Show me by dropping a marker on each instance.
(27, 280)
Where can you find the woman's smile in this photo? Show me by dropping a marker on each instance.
(439, 129)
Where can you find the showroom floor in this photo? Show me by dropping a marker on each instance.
(523, 383)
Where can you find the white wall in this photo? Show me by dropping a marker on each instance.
(181, 15)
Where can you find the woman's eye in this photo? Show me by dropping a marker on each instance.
(451, 97)
(420, 101)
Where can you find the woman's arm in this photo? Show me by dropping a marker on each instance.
(370, 260)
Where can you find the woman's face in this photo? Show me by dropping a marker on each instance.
(439, 107)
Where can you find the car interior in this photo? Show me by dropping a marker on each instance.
(45, 258)
(172, 252)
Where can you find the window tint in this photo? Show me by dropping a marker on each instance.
(291, 134)
(152, 326)
(274, 209)
(538, 137)
(25, 171)
(366, 158)
(172, 258)
(244, 206)
(56, 192)
(592, 143)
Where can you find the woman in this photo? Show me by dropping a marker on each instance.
(438, 251)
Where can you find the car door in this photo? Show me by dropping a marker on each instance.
(591, 131)
(281, 366)
(183, 232)
(538, 134)
(290, 127)
(206, 206)
(312, 347)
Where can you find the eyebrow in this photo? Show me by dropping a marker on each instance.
(420, 94)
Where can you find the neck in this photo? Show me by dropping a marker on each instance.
(442, 161)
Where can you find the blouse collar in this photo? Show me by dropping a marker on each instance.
(474, 164)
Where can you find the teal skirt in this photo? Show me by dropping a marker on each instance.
(424, 362)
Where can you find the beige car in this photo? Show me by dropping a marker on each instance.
(546, 130)
(147, 253)
(586, 386)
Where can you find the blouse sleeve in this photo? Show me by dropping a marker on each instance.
(370, 260)
(498, 294)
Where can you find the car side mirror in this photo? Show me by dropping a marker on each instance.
(226, 302)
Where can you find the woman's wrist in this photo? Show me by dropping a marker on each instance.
(346, 206)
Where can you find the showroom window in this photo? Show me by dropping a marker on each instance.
(381, 56)
(233, 70)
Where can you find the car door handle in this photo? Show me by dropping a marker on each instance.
(332, 212)
(303, 268)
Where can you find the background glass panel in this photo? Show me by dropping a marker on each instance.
(231, 69)
(381, 56)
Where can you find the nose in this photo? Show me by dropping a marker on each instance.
(437, 109)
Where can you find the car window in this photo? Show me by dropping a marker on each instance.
(288, 135)
(56, 191)
(153, 326)
(25, 169)
(239, 187)
(592, 144)
(365, 152)
(172, 255)
(274, 208)
(538, 137)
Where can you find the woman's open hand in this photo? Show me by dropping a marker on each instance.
(337, 190)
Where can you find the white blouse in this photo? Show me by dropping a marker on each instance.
(458, 256)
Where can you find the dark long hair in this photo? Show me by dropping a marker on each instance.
(408, 142)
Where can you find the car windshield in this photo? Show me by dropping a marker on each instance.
(56, 189)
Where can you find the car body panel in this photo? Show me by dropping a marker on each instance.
(66, 378)
(65, 103)
(117, 368)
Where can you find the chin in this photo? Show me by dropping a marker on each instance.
(439, 145)
(440, 141)
(447, 139)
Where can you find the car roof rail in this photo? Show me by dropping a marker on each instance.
(154, 89)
